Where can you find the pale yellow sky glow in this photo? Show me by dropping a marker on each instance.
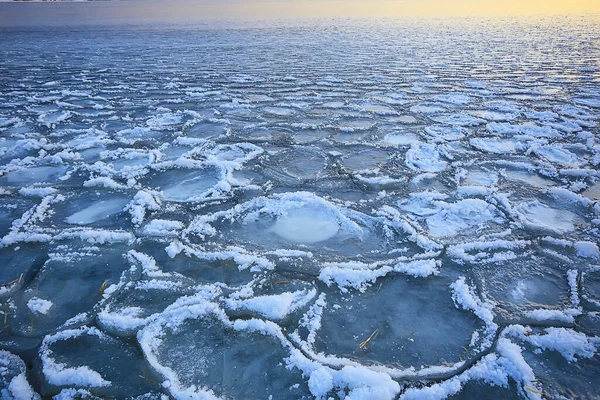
(190, 11)
(410, 8)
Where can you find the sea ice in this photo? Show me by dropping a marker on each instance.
(497, 146)
(400, 330)
(300, 163)
(326, 210)
(207, 129)
(400, 139)
(97, 211)
(306, 225)
(13, 378)
(558, 156)
(461, 217)
(42, 174)
(425, 157)
(539, 217)
(458, 119)
(191, 186)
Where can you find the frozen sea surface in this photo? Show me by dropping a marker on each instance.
(338, 209)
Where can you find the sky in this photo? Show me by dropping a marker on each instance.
(420, 8)
(139, 11)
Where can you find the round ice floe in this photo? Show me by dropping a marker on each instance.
(400, 323)
(164, 120)
(69, 285)
(200, 353)
(530, 178)
(31, 175)
(77, 358)
(527, 286)
(173, 152)
(375, 108)
(365, 159)
(558, 155)
(299, 163)
(260, 134)
(537, 289)
(354, 125)
(310, 135)
(422, 203)
(191, 186)
(306, 219)
(497, 146)
(494, 115)
(481, 178)
(207, 129)
(97, 211)
(537, 216)
(428, 108)
(127, 160)
(280, 111)
(454, 98)
(593, 192)
(307, 225)
(53, 118)
(233, 154)
(425, 157)
(448, 133)
(289, 220)
(455, 218)
(400, 138)
(351, 137)
(458, 119)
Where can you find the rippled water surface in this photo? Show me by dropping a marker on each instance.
(339, 209)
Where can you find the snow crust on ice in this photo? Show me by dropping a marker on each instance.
(58, 373)
(587, 250)
(569, 343)
(39, 306)
(464, 297)
(13, 379)
(274, 306)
